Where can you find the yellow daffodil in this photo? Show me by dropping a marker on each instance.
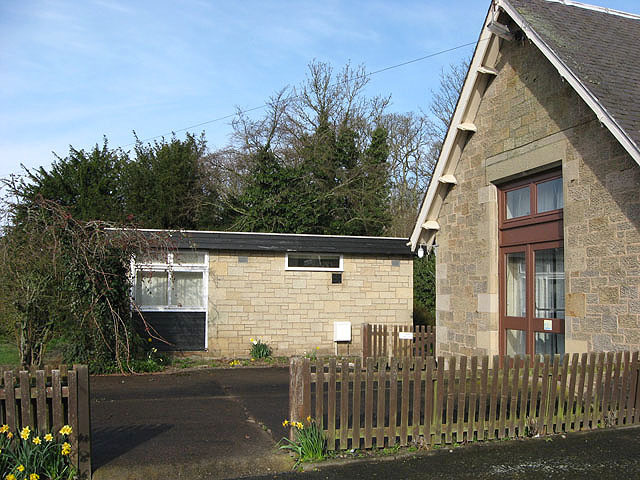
(66, 430)
(309, 419)
(48, 437)
(25, 432)
(34, 476)
(285, 423)
(20, 468)
(36, 441)
(4, 428)
(9, 435)
(299, 425)
(66, 448)
(11, 476)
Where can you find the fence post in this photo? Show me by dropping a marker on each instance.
(366, 341)
(299, 391)
(84, 422)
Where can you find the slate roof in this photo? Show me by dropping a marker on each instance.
(601, 47)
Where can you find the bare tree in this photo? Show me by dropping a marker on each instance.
(444, 100)
(411, 138)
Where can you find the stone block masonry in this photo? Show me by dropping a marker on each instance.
(530, 120)
(294, 310)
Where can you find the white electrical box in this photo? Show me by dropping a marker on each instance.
(341, 331)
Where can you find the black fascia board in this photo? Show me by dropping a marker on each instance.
(269, 242)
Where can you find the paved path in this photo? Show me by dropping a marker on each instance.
(191, 424)
(215, 424)
(603, 454)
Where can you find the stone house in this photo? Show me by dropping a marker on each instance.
(534, 204)
(297, 293)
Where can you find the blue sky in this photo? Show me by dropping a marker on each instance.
(72, 72)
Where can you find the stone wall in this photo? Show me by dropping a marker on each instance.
(530, 120)
(294, 311)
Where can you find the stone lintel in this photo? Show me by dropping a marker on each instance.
(541, 154)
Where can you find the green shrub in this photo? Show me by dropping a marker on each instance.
(260, 349)
(154, 362)
(423, 315)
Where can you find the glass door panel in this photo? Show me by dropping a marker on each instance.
(549, 307)
(549, 343)
(516, 342)
(549, 297)
(516, 284)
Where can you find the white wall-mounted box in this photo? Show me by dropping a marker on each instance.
(341, 331)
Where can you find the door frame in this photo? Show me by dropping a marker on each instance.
(528, 234)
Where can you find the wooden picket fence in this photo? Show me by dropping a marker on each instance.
(398, 401)
(398, 340)
(45, 400)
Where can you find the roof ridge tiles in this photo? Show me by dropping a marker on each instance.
(596, 8)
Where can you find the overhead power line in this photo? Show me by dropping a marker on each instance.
(369, 74)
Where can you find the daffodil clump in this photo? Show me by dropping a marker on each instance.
(29, 455)
(309, 443)
(259, 349)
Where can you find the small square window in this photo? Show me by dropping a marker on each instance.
(336, 278)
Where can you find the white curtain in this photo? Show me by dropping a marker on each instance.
(151, 288)
(516, 342)
(549, 286)
(187, 289)
(518, 204)
(550, 195)
(516, 285)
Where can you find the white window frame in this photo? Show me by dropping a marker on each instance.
(314, 269)
(170, 267)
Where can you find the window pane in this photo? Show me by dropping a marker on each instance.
(549, 283)
(516, 342)
(550, 195)
(549, 343)
(314, 261)
(152, 257)
(151, 288)
(186, 257)
(516, 285)
(518, 203)
(187, 289)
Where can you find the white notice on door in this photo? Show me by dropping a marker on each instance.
(548, 325)
(405, 335)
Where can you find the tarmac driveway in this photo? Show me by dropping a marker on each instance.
(218, 423)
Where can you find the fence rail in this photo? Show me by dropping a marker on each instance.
(390, 401)
(398, 340)
(45, 400)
